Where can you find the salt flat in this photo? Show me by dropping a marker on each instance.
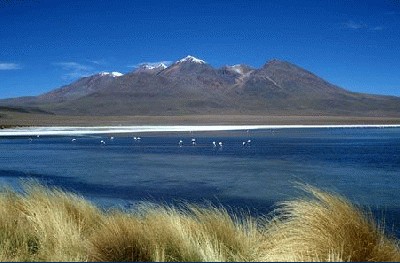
(71, 130)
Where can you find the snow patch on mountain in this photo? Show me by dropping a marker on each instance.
(151, 66)
(276, 84)
(113, 74)
(237, 68)
(116, 74)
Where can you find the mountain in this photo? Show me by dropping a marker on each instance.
(192, 86)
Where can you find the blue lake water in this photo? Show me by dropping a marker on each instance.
(362, 164)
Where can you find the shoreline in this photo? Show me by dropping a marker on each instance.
(12, 120)
(96, 130)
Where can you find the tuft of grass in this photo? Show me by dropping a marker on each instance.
(161, 233)
(326, 227)
(44, 224)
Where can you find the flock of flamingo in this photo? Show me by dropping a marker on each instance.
(180, 142)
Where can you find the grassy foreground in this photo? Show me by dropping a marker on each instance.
(51, 225)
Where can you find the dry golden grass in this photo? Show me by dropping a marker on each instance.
(167, 234)
(45, 225)
(326, 228)
(50, 225)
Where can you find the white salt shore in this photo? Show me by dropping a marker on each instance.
(72, 131)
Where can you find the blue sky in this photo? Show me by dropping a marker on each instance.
(48, 43)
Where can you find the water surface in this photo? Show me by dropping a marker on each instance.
(361, 163)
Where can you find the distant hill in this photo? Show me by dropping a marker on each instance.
(191, 86)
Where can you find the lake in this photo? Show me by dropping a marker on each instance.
(363, 164)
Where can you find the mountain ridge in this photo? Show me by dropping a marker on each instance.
(192, 86)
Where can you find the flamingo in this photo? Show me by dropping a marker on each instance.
(246, 143)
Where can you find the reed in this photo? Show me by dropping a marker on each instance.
(47, 224)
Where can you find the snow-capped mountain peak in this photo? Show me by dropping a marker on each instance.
(191, 59)
(151, 66)
(147, 66)
(113, 74)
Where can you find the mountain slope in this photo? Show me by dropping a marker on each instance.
(80, 88)
(191, 86)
